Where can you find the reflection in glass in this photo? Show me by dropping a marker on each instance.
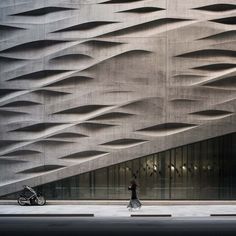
(203, 170)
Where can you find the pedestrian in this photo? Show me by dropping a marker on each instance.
(134, 202)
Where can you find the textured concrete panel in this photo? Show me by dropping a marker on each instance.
(85, 84)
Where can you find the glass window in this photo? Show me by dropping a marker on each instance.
(202, 170)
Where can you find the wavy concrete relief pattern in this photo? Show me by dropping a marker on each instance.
(91, 83)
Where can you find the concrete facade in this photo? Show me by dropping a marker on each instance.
(85, 84)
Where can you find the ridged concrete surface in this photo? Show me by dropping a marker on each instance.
(86, 84)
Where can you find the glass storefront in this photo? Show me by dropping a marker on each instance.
(198, 171)
(203, 170)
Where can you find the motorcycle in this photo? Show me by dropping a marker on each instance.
(30, 197)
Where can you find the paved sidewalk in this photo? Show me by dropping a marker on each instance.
(121, 210)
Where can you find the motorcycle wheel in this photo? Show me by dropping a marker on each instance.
(40, 200)
(22, 201)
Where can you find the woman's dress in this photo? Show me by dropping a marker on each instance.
(134, 202)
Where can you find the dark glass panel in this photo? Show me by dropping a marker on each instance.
(203, 170)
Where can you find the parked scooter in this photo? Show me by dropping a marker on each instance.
(30, 197)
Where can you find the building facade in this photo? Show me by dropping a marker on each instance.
(94, 93)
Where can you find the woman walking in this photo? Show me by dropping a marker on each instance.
(134, 202)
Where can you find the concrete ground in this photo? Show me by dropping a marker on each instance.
(105, 210)
(113, 218)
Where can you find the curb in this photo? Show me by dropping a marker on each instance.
(124, 203)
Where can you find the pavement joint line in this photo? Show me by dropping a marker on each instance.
(150, 215)
(46, 215)
(222, 214)
(124, 202)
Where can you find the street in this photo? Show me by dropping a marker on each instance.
(117, 226)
